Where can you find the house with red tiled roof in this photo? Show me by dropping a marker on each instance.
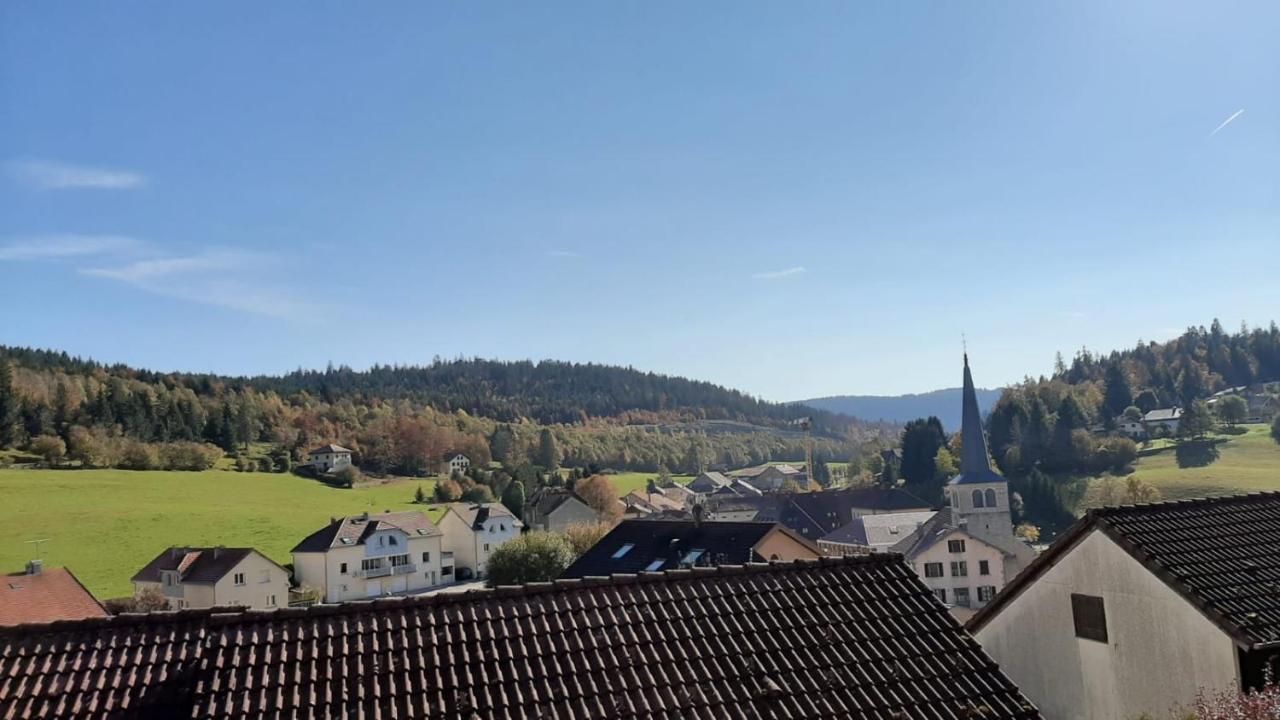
(206, 577)
(832, 638)
(41, 595)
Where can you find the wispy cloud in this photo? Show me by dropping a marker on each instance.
(563, 254)
(53, 175)
(233, 279)
(778, 274)
(1227, 122)
(57, 247)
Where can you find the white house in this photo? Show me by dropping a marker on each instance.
(472, 531)
(1135, 609)
(555, 509)
(329, 458)
(967, 552)
(1133, 429)
(367, 556)
(1163, 421)
(205, 577)
(454, 463)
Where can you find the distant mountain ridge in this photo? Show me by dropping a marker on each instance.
(901, 408)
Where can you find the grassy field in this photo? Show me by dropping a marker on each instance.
(106, 524)
(626, 482)
(1243, 463)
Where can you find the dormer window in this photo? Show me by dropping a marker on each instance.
(391, 540)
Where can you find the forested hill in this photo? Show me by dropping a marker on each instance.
(545, 392)
(943, 404)
(1194, 365)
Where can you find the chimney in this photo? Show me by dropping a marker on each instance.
(35, 567)
(697, 515)
(217, 551)
(364, 515)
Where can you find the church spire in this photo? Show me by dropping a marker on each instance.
(973, 458)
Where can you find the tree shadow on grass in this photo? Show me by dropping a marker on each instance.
(1197, 453)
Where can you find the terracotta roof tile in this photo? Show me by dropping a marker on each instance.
(805, 640)
(53, 594)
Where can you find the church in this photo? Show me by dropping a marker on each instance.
(967, 551)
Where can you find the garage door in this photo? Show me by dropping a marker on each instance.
(373, 588)
(399, 584)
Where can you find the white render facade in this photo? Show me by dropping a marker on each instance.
(455, 464)
(961, 569)
(1159, 651)
(254, 582)
(473, 531)
(388, 560)
(330, 458)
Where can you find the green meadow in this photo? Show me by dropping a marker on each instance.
(1248, 462)
(106, 524)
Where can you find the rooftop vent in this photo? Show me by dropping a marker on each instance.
(35, 567)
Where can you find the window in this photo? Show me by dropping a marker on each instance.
(962, 597)
(342, 568)
(984, 567)
(985, 593)
(955, 546)
(182, 604)
(391, 540)
(959, 568)
(271, 601)
(623, 550)
(399, 560)
(370, 564)
(977, 498)
(239, 578)
(486, 547)
(933, 570)
(991, 498)
(1090, 617)
(942, 595)
(426, 557)
(502, 527)
(446, 570)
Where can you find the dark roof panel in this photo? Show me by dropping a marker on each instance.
(197, 565)
(667, 542)
(851, 637)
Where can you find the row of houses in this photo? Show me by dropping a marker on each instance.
(351, 558)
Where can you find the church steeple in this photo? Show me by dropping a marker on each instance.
(973, 458)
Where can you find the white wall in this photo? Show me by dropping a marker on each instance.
(975, 551)
(264, 581)
(472, 549)
(1160, 649)
(324, 570)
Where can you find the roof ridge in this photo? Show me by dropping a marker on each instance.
(220, 615)
(1107, 510)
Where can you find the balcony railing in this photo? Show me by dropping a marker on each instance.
(403, 569)
(373, 572)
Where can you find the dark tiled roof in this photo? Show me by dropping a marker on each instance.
(475, 514)
(330, 448)
(53, 594)
(879, 531)
(832, 638)
(816, 514)
(353, 530)
(197, 565)
(669, 541)
(546, 500)
(1221, 554)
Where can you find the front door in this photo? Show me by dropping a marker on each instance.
(373, 588)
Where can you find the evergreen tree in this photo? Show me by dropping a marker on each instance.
(921, 440)
(513, 498)
(62, 411)
(502, 444)
(1118, 395)
(1196, 421)
(548, 450)
(8, 406)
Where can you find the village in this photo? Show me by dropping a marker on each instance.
(993, 624)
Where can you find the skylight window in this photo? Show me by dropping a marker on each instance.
(692, 556)
(623, 550)
(655, 565)
(348, 541)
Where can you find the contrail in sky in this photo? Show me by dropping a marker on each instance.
(1227, 122)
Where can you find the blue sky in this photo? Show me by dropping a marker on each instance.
(793, 199)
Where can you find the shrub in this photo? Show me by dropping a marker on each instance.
(138, 456)
(599, 494)
(348, 476)
(147, 600)
(1275, 429)
(532, 557)
(583, 536)
(447, 490)
(478, 494)
(50, 448)
(189, 456)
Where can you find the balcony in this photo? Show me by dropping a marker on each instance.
(380, 571)
(404, 569)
